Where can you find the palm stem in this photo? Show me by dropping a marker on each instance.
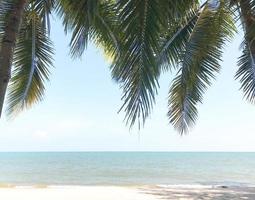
(7, 48)
(248, 21)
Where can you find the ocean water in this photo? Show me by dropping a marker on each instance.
(127, 168)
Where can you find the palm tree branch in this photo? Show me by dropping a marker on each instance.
(32, 62)
(199, 64)
(246, 63)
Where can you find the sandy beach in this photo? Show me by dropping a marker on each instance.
(126, 193)
(75, 193)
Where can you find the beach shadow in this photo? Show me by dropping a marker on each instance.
(219, 193)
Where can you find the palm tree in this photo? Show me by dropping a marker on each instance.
(11, 15)
(144, 39)
(25, 43)
(99, 21)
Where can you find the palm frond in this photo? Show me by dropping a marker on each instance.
(246, 73)
(78, 17)
(199, 64)
(135, 68)
(180, 10)
(44, 8)
(246, 63)
(89, 20)
(174, 42)
(104, 33)
(32, 62)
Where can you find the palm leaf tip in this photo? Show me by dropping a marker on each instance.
(246, 73)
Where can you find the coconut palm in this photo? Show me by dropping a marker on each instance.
(144, 38)
(100, 21)
(26, 45)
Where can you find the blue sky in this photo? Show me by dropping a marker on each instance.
(79, 112)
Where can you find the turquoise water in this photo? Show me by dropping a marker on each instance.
(127, 168)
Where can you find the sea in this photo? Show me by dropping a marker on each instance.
(127, 168)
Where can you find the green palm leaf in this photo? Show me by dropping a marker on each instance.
(174, 42)
(246, 73)
(78, 16)
(32, 62)
(44, 8)
(136, 68)
(199, 64)
(104, 30)
(246, 63)
(89, 20)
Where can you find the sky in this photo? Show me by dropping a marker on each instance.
(79, 112)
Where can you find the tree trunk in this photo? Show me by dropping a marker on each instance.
(248, 20)
(8, 43)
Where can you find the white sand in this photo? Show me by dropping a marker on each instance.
(75, 193)
(127, 193)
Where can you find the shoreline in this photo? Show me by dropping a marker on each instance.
(170, 192)
(137, 185)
